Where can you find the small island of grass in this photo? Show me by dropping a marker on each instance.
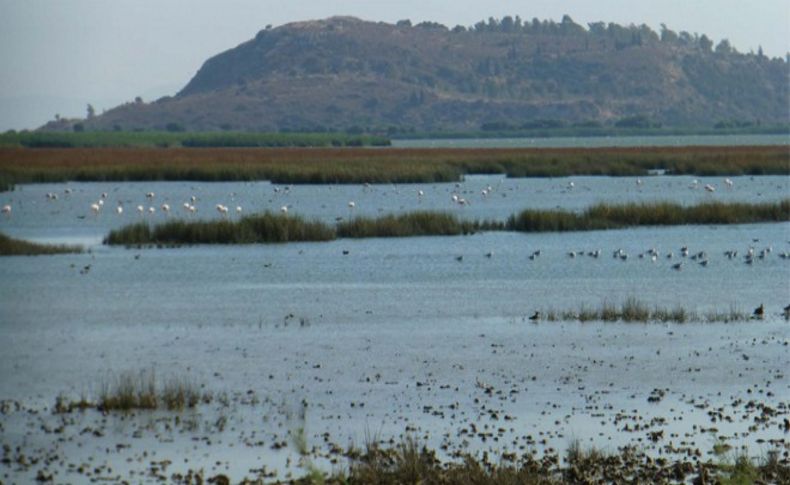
(16, 247)
(282, 228)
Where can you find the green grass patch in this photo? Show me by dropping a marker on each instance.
(261, 228)
(16, 247)
(609, 216)
(282, 228)
(421, 223)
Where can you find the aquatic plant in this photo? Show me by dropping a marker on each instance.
(259, 228)
(16, 247)
(615, 216)
(412, 224)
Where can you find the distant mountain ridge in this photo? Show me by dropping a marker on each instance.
(343, 73)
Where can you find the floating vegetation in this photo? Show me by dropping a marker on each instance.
(610, 216)
(366, 165)
(16, 247)
(634, 310)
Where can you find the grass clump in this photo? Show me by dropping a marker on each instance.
(262, 228)
(16, 247)
(131, 391)
(412, 224)
(634, 310)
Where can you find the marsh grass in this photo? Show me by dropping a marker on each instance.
(16, 247)
(634, 310)
(412, 224)
(282, 228)
(138, 390)
(261, 228)
(609, 216)
(360, 165)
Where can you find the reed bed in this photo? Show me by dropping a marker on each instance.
(282, 228)
(610, 216)
(634, 310)
(16, 247)
(261, 228)
(366, 165)
(421, 223)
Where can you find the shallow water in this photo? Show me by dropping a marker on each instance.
(397, 337)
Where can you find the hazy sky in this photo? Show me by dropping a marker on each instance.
(59, 55)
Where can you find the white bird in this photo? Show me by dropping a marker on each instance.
(140, 209)
(7, 209)
(100, 202)
(352, 204)
(728, 183)
(222, 209)
(710, 188)
(571, 185)
(186, 206)
(420, 193)
(238, 209)
(284, 209)
(166, 207)
(151, 210)
(119, 209)
(192, 209)
(149, 195)
(95, 208)
(639, 181)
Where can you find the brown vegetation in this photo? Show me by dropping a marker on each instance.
(321, 165)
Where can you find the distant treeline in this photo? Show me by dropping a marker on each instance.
(621, 35)
(99, 139)
(639, 125)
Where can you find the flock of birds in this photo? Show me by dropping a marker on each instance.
(458, 197)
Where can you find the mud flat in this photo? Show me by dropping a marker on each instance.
(281, 390)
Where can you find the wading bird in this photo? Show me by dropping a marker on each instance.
(759, 312)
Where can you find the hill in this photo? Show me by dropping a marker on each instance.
(343, 73)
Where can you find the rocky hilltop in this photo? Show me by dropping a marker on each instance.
(343, 73)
